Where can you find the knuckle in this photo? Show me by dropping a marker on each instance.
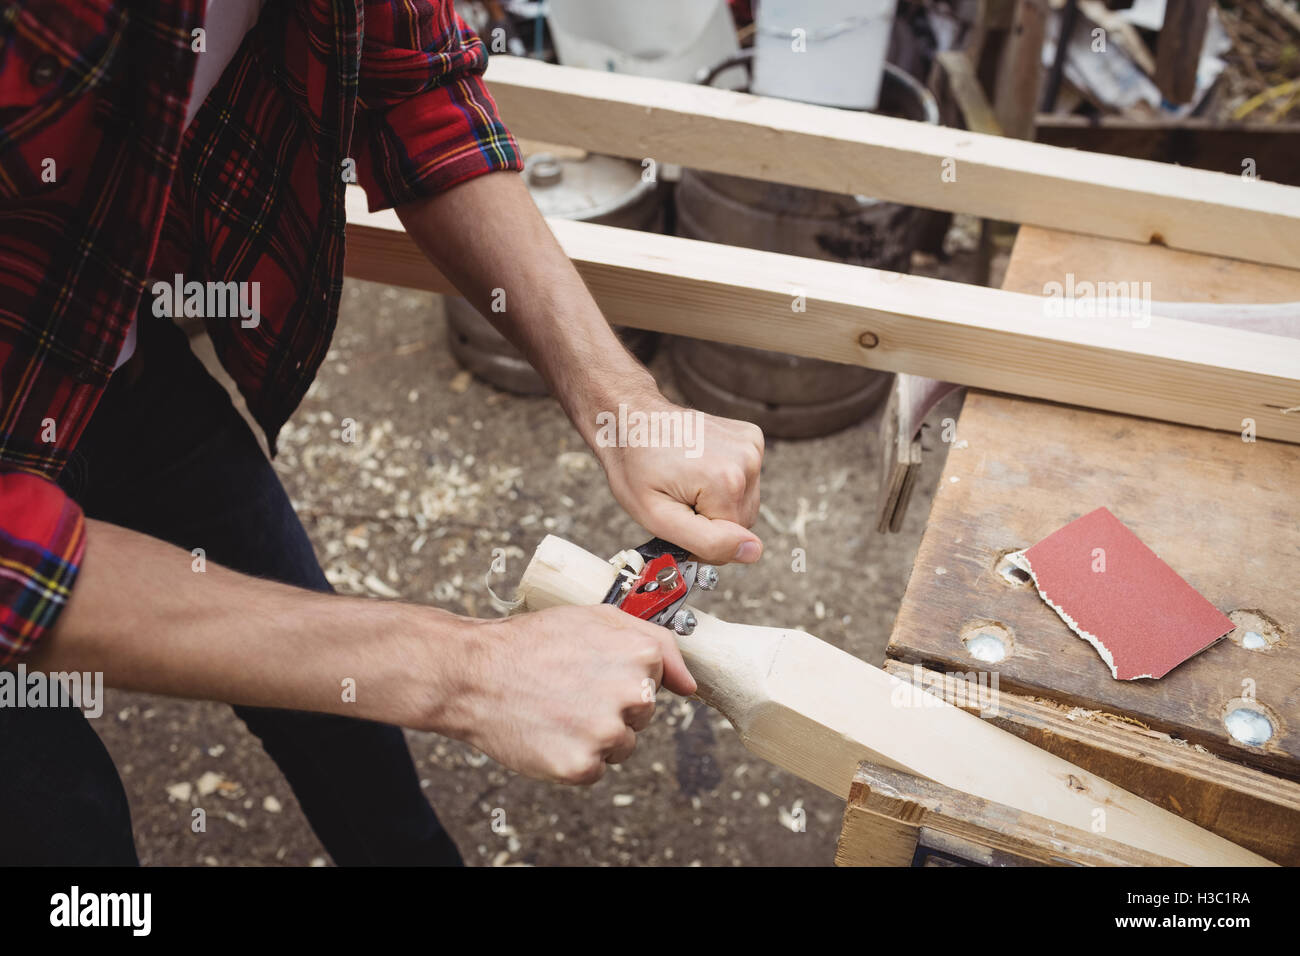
(581, 769)
(641, 711)
(612, 736)
(732, 479)
(614, 618)
(645, 651)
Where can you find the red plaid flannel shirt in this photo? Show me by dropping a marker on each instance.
(102, 190)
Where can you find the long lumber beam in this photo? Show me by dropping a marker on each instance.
(899, 160)
(1173, 370)
(816, 711)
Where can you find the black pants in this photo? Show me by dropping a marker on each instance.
(167, 454)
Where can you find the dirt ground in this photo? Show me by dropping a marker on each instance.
(444, 469)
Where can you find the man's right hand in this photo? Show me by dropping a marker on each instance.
(558, 694)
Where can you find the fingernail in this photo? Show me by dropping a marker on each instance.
(748, 551)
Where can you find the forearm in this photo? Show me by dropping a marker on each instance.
(143, 617)
(552, 694)
(698, 490)
(487, 235)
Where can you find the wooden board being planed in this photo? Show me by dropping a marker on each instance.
(816, 711)
(903, 161)
(1009, 342)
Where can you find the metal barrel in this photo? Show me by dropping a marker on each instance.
(789, 396)
(585, 187)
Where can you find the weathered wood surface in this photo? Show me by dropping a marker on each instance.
(1250, 807)
(884, 805)
(1018, 89)
(1224, 513)
(1178, 48)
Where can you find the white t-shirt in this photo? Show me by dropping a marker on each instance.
(225, 24)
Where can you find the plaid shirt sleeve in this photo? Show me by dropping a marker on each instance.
(425, 120)
(42, 541)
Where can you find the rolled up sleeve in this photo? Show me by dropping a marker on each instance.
(425, 120)
(42, 543)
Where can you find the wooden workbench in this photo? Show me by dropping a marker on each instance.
(1223, 512)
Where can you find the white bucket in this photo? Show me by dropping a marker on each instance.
(668, 39)
(830, 52)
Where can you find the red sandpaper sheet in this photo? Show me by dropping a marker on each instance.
(1118, 595)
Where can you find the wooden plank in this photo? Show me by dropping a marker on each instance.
(870, 839)
(897, 800)
(860, 153)
(1119, 30)
(1043, 255)
(989, 37)
(1222, 512)
(1249, 807)
(1222, 147)
(818, 712)
(1285, 11)
(1171, 369)
(911, 399)
(900, 459)
(1178, 50)
(1020, 73)
(956, 77)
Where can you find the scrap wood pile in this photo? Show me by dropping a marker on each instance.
(1244, 61)
(1262, 79)
(1246, 65)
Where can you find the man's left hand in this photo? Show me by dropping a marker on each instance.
(702, 493)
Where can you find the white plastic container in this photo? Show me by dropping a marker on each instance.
(830, 52)
(668, 39)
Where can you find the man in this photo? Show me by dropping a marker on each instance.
(213, 141)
